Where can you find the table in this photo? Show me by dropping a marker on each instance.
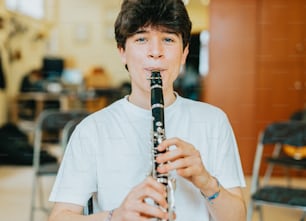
(40, 99)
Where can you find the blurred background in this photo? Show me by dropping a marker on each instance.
(246, 57)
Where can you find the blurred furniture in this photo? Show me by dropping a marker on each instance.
(299, 115)
(68, 130)
(49, 121)
(95, 99)
(263, 193)
(96, 78)
(41, 100)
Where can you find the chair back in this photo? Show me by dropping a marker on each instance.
(52, 121)
(278, 135)
(68, 130)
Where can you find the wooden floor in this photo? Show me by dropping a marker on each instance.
(15, 195)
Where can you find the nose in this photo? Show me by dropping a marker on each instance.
(155, 49)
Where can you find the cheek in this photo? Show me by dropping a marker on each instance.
(134, 57)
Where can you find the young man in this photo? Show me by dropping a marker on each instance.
(109, 154)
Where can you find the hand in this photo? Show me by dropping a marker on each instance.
(134, 207)
(185, 159)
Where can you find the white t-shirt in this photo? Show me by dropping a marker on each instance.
(110, 152)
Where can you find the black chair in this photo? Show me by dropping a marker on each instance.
(277, 136)
(49, 134)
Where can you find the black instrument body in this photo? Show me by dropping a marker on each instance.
(158, 136)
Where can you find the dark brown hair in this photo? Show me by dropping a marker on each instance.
(165, 14)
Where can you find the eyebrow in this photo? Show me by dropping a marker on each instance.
(163, 29)
(140, 31)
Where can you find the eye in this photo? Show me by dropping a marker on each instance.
(140, 39)
(168, 40)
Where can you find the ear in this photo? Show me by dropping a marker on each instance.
(185, 54)
(122, 55)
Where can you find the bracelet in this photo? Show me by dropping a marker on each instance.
(215, 195)
(110, 215)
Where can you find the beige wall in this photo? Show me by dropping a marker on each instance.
(63, 35)
(84, 31)
(78, 29)
(199, 15)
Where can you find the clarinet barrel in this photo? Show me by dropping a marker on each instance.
(158, 135)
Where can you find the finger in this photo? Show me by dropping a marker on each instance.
(159, 187)
(147, 199)
(169, 166)
(149, 181)
(181, 152)
(169, 156)
(137, 207)
(150, 188)
(138, 213)
(159, 198)
(192, 163)
(150, 211)
(169, 142)
(185, 172)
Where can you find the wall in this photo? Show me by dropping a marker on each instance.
(81, 30)
(84, 31)
(257, 71)
(199, 15)
(230, 84)
(98, 46)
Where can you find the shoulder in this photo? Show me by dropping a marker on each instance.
(201, 110)
(110, 110)
(103, 116)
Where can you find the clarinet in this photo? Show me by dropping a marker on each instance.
(158, 135)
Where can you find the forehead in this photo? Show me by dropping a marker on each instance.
(159, 28)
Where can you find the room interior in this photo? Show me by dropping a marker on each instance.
(255, 71)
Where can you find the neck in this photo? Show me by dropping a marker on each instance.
(145, 101)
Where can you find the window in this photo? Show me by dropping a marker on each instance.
(33, 8)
